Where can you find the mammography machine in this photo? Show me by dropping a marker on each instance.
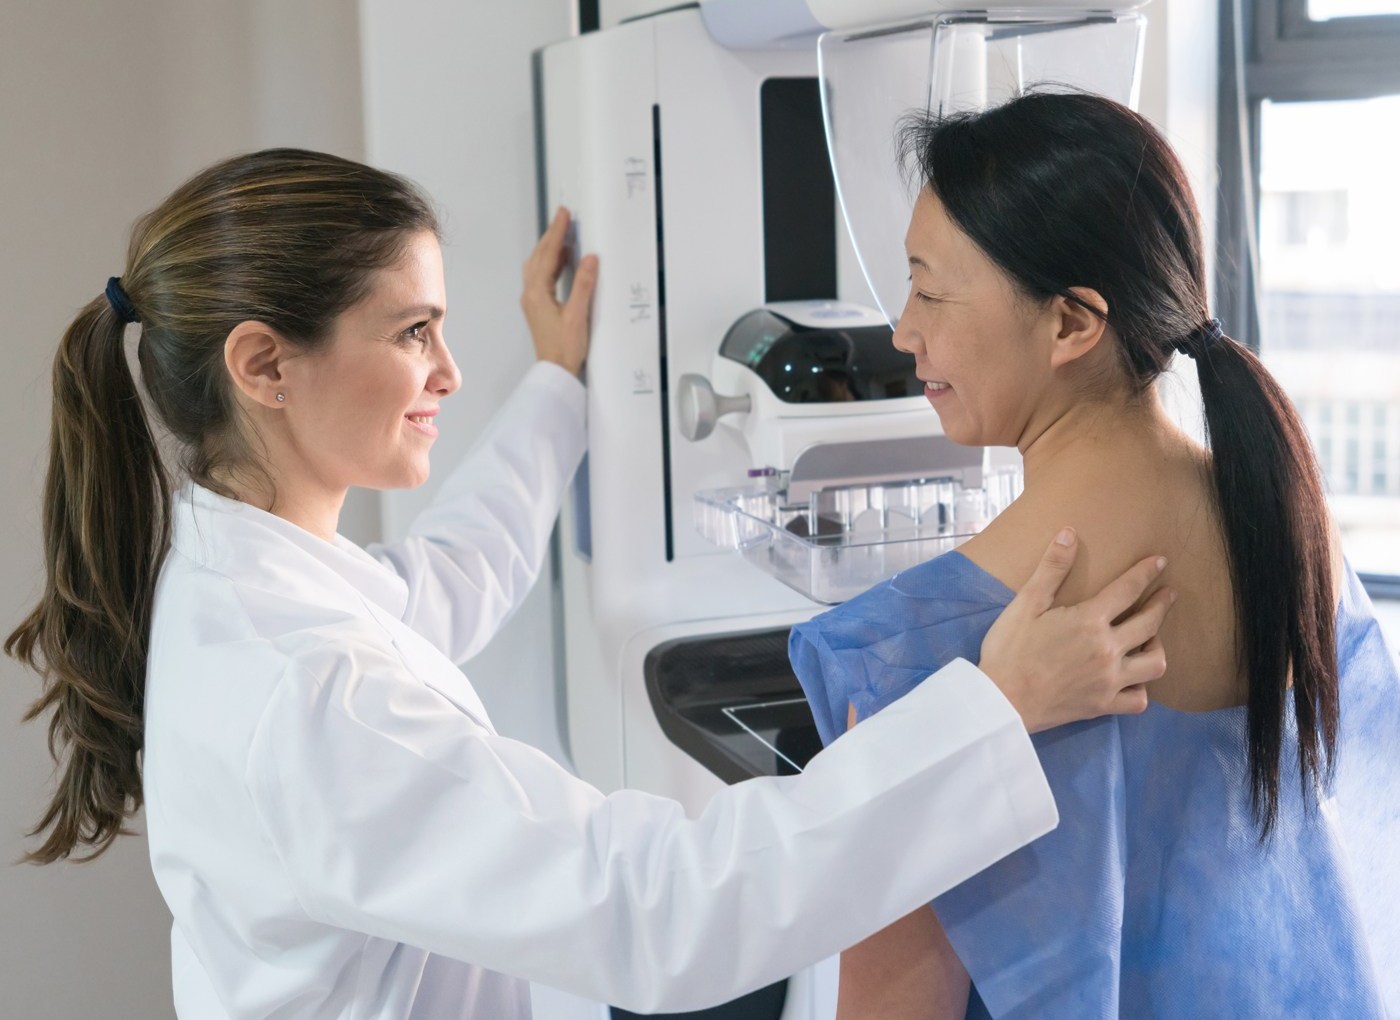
(757, 447)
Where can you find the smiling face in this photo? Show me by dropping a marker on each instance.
(360, 409)
(983, 349)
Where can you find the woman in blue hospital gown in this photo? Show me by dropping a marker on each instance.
(1234, 851)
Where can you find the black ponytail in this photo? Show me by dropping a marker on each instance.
(1273, 511)
(1065, 190)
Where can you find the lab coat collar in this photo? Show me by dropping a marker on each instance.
(238, 539)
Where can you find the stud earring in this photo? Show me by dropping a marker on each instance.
(281, 397)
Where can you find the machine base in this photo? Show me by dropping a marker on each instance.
(764, 1004)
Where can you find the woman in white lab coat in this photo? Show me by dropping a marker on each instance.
(334, 823)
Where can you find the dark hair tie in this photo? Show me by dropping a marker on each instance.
(121, 304)
(1202, 339)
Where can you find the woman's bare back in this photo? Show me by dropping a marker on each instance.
(1130, 497)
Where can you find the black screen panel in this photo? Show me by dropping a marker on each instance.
(799, 193)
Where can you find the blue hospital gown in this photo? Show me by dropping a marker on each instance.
(1154, 897)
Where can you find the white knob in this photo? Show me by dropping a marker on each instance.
(700, 407)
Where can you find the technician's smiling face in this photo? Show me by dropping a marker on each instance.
(364, 404)
(977, 341)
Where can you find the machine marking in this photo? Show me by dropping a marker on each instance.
(634, 176)
(639, 308)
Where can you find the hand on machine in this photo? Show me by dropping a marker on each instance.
(559, 328)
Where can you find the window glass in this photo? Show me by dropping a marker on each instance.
(1325, 10)
(1329, 257)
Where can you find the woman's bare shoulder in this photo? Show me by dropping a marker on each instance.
(1012, 545)
(1004, 548)
(1118, 520)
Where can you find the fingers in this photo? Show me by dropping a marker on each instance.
(558, 329)
(546, 259)
(1129, 701)
(1144, 666)
(581, 293)
(1123, 593)
(1138, 670)
(1038, 594)
(1143, 625)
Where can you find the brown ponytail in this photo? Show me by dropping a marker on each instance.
(105, 533)
(284, 237)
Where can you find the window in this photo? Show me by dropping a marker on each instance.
(1384, 457)
(1311, 204)
(1325, 10)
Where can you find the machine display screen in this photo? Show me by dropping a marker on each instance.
(804, 365)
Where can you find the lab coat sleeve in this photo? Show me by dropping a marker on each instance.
(398, 817)
(473, 554)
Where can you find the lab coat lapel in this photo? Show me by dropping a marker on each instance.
(262, 549)
(433, 668)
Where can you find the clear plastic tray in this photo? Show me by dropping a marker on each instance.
(845, 540)
(782, 735)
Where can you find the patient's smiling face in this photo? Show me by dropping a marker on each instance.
(983, 345)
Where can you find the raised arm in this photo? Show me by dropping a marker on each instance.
(472, 556)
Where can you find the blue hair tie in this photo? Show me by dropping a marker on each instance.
(121, 304)
(1202, 339)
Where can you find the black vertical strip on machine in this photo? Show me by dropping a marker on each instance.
(537, 109)
(664, 383)
(799, 192)
(556, 555)
(587, 16)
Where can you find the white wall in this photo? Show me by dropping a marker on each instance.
(451, 108)
(1181, 67)
(448, 103)
(104, 108)
(1179, 88)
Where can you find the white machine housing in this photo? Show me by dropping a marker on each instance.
(649, 131)
(616, 104)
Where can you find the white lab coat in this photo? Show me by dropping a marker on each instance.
(339, 831)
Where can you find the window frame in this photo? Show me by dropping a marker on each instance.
(1293, 25)
(1290, 56)
(1287, 56)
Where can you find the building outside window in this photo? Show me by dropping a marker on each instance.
(1310, 158)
